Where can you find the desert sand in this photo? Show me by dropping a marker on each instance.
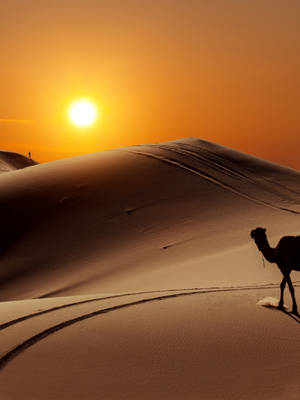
(131, 274)
(10, 161)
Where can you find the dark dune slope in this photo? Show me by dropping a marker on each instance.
(136, 218)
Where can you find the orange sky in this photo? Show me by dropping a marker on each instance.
(223, 70)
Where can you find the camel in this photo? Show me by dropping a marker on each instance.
(287, 257)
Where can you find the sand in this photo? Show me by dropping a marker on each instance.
(131, 274)
(10, 161)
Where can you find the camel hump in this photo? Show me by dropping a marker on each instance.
(286, 243)
(289, 240)
(288, 249)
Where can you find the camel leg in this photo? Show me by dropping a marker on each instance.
(291, 287)
(282, 286)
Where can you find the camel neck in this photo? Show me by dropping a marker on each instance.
(267, 251)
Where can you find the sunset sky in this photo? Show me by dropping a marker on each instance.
(227, 71)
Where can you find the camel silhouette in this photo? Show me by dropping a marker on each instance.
(286, 255)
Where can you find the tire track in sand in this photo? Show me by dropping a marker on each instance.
(14, 352)
(56, 308)
(7, 324)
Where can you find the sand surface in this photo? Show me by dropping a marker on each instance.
(10, 161)
(131, 274)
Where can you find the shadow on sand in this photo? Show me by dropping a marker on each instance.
(296, 317)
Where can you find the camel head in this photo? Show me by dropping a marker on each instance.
(258, 233)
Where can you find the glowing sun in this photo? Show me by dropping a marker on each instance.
(83, 112)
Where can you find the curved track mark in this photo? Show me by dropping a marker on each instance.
(9, 356)
(214, 181)
(32, 315)
(217, 163)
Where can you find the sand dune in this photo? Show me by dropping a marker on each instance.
(132, 271)
(10, 161)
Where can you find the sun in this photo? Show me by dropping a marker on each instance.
(83, 112)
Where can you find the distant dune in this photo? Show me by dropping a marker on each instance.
(10, 161)
(130, 273)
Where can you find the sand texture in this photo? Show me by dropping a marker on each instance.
(10, 161)
(131, 274)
